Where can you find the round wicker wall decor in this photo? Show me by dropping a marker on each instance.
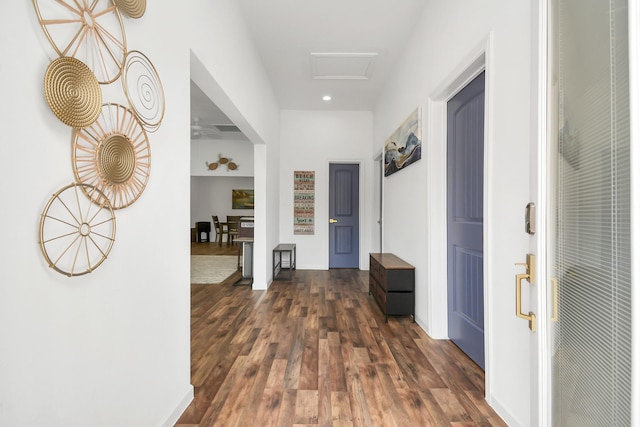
(113, 155)
(72, 92)
(143, 89)
(132, 8)
(91, 31)
(75, 234)
(117, 159)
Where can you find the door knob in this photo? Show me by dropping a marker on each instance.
(332, 221)
(530, 277)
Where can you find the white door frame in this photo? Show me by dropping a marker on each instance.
(634, 98)
(477, 61)
(540, 193)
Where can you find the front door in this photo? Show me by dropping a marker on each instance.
(344, 237)
(465, 174)
(589, 264)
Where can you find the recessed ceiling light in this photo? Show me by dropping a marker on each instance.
(326, 98)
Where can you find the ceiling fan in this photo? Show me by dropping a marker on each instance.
(199, 130)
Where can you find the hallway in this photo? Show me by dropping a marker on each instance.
(316, 351)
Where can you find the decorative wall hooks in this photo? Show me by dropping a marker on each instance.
(231, 166)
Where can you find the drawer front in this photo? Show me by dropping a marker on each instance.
(374, 267)
(400, 303)
(382, 277)
(372, 285)
(381, 297)
(400, 280)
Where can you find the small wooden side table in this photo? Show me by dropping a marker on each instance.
(282, 248)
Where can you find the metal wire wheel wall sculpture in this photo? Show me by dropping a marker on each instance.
(89, 31)
(143, 89)
(72, 92)
(113, 155)
(76, 235)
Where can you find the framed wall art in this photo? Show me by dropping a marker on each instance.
(242, 199)
(304, 202)
(404, 146)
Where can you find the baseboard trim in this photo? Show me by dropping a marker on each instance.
(182, 405)
(502, 412)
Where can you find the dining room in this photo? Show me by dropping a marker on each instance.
(221, 186)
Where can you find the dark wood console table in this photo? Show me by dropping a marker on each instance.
(392, 284)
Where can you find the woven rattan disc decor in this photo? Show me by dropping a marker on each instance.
(91, 31)
(76, 235)
(143, 89)
(113, 155)
(132, 8)
(72, 92)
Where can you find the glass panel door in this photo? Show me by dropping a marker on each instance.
(589, 241)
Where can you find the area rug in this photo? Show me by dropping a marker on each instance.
(212, 269)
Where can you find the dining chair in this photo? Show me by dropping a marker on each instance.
(221, 228)
(233, 222)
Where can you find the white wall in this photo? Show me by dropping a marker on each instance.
(437, 53)
(111, 347)
(310, 141)
(211, 195)
(203, 151)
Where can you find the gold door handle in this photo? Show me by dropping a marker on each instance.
(554, 282)
(529, 276)
(332, 221)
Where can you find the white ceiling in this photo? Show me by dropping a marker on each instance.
(349, 46)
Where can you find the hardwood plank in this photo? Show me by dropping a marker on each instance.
(306, 411)
(269, 409)
(324, 384)
(337, 376)
(287, 408)
(448, 401)
(309, 364)
(341, 409)
(378, 402)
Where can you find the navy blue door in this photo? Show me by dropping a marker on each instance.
(465, 172)
(344, 194)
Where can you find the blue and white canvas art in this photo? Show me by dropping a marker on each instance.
(404, 146)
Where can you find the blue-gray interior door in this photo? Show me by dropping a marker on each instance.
(465, 172)
(344, 196)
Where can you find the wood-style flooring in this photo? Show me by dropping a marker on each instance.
(316, 351)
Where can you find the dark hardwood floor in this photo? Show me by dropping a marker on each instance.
(316, 351)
